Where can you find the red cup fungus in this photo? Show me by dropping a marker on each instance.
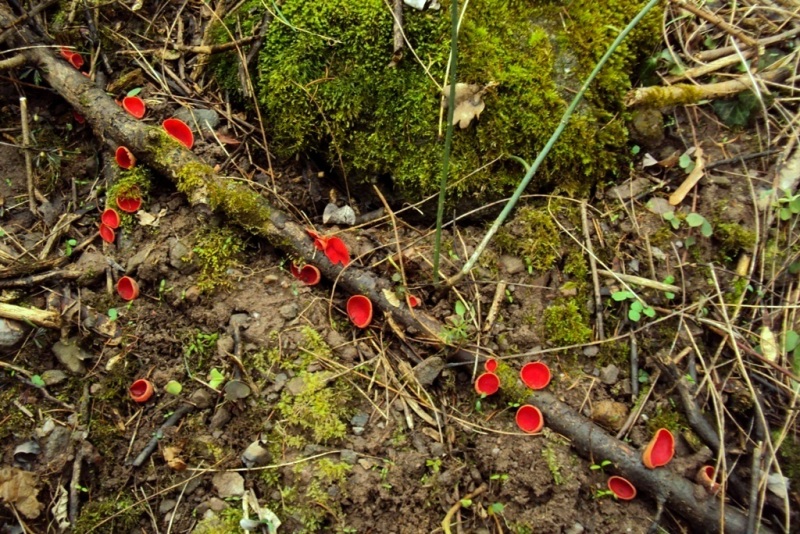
(135, 106)
(529, 419)
(413, 301)
(490, 365)
(74, 58)
(106, 233)
(180, 131)
(660, 450)
(130, 201)
(535, 375)
(308, 274)
(78, 117)
(621, 488)
(124, 158)
(337, 252)
(487, 384)
(141, 390)
(705, 477)
(110, 218)
(320, 242)
(127, 288)
(359, 309)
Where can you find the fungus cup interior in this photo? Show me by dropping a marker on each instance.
(135, 106)
(337, 252)
(127, 288)
(487, 384)
(359, 309)
(124, 157)
(413, 301)
(110, 218)
(129, 204)
(141, 390)
(529, 419)
(180, 131)
(74, 58)
(490, 365)
(106, 233)
(535, 375)
(621, 488)
(308, 274)
(660, 450)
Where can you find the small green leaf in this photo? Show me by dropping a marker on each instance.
(635, 149)
(690, 241)
(135, 91)
(669, 280)
(794, 205)
(668, 216)
(396, 277)
(794, 268)
(113, 314)
(634, 315)
(694, 220)
(637, 306)
(460, 308)
(669, 294)
(791, 340)
(785, 214)
(619, 296)
(173, 387)
(215, 378)
(676, 223)
(37, 381)
(496, 508)
(706, 229)
(650, 312)
(685, 160)
(466, 503)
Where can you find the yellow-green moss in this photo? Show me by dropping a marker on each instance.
(512, 389)
(130, 183)
(16, 424)
(734, 238)
(100, 509)
(566, 323)
(533, 236)
(668, 418)
(615, 352)
(193, 176)
(226, 522)
(790, 458)
(328, 89)
(216, 250)
(321, 408)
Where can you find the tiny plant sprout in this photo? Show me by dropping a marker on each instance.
(621, 488)
(180, 131)
(127, 288)
(135, 106)
(490, 365)
(308, 274)
(141, 390)
(535, 375)
(487, 384)
(359, 309)
(337, 252)
(529, 419)
(705, 477)
(110, 218)
(124, 158)
(106, 233)
(173, 387)
(660, 450)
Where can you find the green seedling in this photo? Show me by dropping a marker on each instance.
(113, 315)
(788, 206)
(693, 220)
(603, 493)
(637, 307)
(466, 503)
(215, 378)
(69, 246)
(496, 508)
(669, 280)
(500, 477)
(458, 332)
(173, 387)
(37, 381)
(601, 466)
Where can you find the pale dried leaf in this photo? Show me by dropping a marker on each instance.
(688, 184)
(174, 461)
(789, 176)
(18, 488)
(226, 139)
(60, 507)
(769, 346)
(148, 219)
(469, 102)
(391, 297)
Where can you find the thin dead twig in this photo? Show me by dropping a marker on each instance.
(716, 21)
(26, 146)
(598, 299)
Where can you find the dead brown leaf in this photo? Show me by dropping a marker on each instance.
(174, 461)
(18, 488)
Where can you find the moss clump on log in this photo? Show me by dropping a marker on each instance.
(325, 86)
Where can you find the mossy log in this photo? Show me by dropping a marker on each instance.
(197, 179)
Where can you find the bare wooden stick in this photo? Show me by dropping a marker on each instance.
(639, 281)
(397, 33)
(688, 184)
(598, 299)
(26, 146)
(499, 293)
(36, 316)
(716, 21)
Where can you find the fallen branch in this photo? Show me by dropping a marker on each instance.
(206, 190)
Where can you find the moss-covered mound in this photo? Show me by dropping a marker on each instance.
(326, 87)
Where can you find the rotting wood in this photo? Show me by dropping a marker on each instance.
(171, 160)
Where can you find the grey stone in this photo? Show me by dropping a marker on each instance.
(609, 374)
(217, 505)
(177, 251)
(202, 399)
(591, 351)
(647, 127)
(199, 119)
(138, 259)
(71, 356)
(289, 311)
(52, 377)
(228, 484)
(427, 371)
(629, 189)
(349, 456)
(166, 505)
(296, 386)
(219, 419)
(255, 455)
(92, 265)
(659, 206)
(360, 421)
(512, 264)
